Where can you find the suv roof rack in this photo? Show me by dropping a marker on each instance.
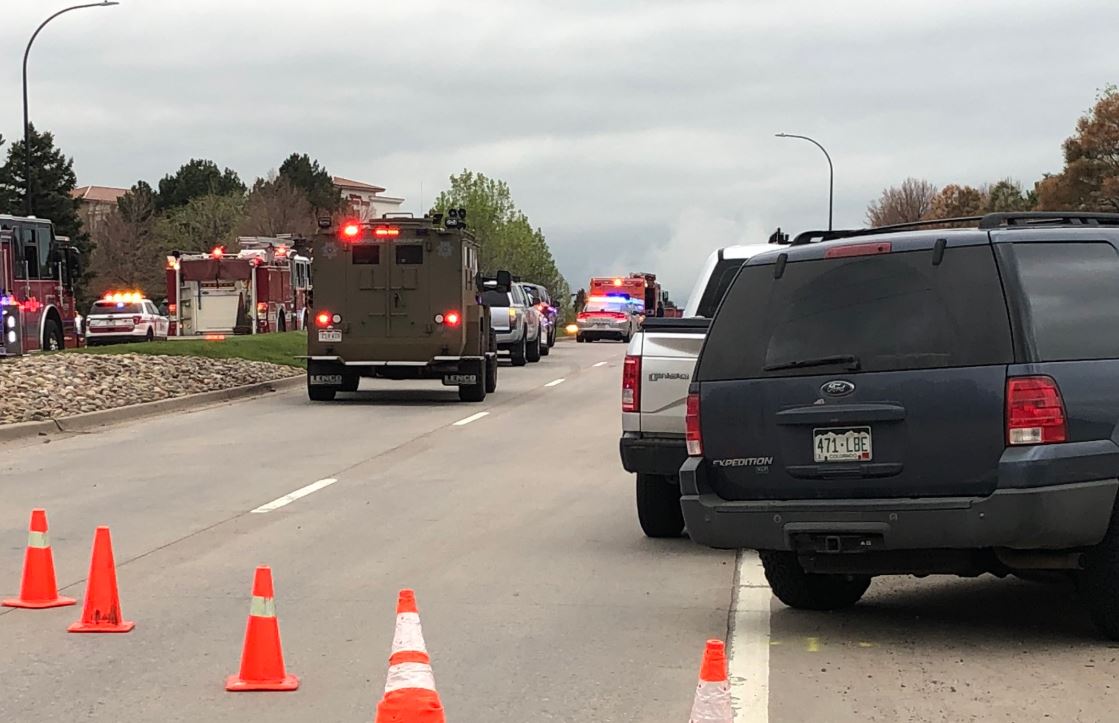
(986, 222)
(1048, 218)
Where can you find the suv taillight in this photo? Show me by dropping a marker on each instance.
(692, 432)
(631, 384)
(137, 320)
(1035, 412)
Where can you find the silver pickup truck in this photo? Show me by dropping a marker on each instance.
(655, 377)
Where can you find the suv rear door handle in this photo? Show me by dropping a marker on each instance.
(841, 413)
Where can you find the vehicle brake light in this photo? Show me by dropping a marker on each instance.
(261, 307)
(217, 252)
(840, 252)
(386, 232)
(692, 433)
(452, 318)
(631, 384)
(171, 308)
(322, 319)
(136, 320)
(1035, 411)
(350, 230)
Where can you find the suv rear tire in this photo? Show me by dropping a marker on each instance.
(1099, 582)
(532, 350)
(810, 591)
(517, 353)
(658, 506)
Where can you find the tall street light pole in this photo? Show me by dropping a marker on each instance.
(26, 122)
(831, 170)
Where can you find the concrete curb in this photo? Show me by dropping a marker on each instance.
(94, 420)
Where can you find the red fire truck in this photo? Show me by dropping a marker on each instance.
(642, 287)
(38, 271)
(262, 288)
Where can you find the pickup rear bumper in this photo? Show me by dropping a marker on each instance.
(652, 455)
(1054, 517)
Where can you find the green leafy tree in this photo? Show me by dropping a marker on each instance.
(195, 179)
(53, 182)
(508, 240)
(9, 197)
(201, 224)
(1090, 179)
(313, 180)
(1007, 196)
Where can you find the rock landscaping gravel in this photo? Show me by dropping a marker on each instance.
(42, 386)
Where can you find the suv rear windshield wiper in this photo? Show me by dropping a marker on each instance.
(849, 360)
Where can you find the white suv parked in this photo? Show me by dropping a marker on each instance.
(119, 317)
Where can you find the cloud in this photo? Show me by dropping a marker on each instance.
(617, 124)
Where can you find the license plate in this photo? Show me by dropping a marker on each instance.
(326, 380)
(330, 336)
(846, 444)
(100, 322)
(459, 380)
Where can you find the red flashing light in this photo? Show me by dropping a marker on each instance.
(452, 318)
(172, 307)
(1035, 411)
(386, 232)
(617, 282)
(693, 435)
(322, 319)
(631, 384)
(351, 230)
(841, 252)
(217, 252)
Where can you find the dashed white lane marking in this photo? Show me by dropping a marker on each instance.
(289, 498)
(471, 418)
(556, 382)
(601, 364)
(749, 642)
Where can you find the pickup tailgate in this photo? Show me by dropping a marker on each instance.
(669, 348)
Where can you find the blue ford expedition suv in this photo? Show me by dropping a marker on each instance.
(914, 400)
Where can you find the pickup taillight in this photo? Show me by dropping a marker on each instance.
(631, 384)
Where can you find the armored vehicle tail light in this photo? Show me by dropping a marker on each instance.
(451, 318)
(350, 230)
(322, 319)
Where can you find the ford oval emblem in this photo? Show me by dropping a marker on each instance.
(837, 388)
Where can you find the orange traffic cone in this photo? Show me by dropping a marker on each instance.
(410, 695)
(101, 612)
(712, 695)
(262, 660)
(38, 588)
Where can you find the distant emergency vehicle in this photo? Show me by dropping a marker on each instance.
(124, 316)
(38, 271)
(642, 288)
(264, 287)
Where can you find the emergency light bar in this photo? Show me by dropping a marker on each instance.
(126, 297)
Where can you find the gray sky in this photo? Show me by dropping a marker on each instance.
(638, 135)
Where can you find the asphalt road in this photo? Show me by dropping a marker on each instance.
(540, 599)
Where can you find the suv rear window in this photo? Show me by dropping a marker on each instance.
(116, 307)
(892, 312)
(721, 277)
(1071, 299)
